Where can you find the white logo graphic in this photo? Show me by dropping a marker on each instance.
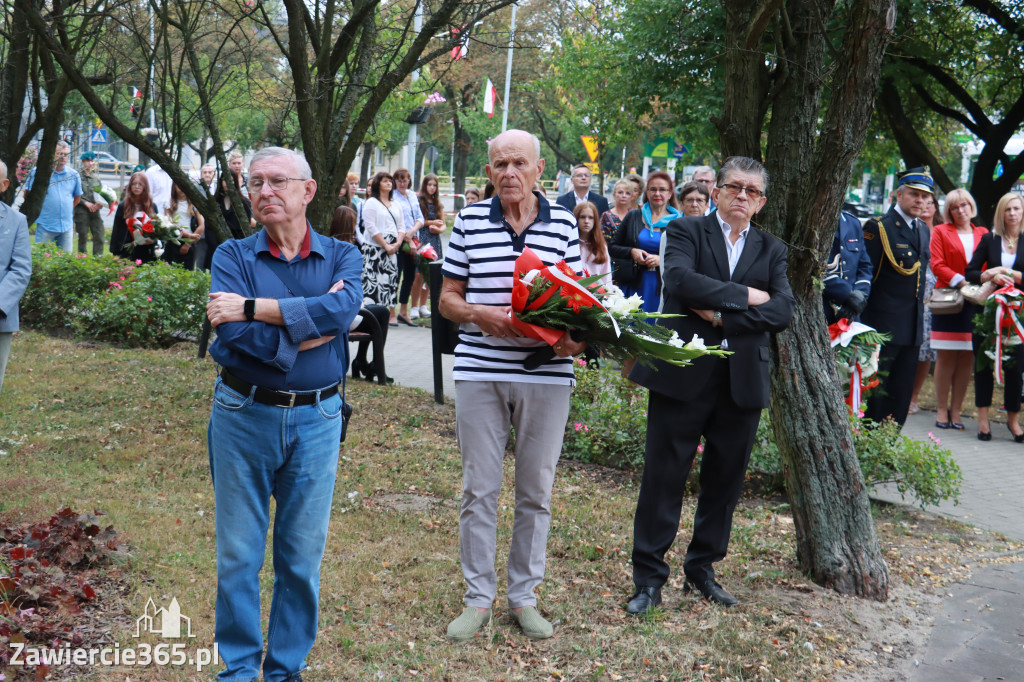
(165, 622)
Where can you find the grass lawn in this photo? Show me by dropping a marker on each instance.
(124, 431)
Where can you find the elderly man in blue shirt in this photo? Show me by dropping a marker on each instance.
(282, 301)
(56, 221)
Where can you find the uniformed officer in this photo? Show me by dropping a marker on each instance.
(899, 250)
(848, 273)
(88, 221)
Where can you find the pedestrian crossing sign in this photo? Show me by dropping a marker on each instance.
(99, 136)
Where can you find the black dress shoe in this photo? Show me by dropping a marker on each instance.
(712, 591)
(360, 367)
(1017, 437)
(644, 598)
(984, 435)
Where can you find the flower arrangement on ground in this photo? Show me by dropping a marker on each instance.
(549, 300)
(999, 325)
(857, 348)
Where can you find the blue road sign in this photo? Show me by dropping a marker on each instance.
(99, 136)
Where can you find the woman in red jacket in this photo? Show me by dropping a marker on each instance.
(953, 244)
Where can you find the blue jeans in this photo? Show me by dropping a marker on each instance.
(64, 240)
(258, 451)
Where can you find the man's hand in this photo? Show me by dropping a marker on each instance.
(495, 321)
(757, 296)
(706, 315)
(310, 344)
(92, 206)
(566, 347)
(225, 306)
(337, 286)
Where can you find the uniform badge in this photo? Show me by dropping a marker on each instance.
(869, 236)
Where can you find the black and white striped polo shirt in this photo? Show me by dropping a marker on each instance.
(482, 252)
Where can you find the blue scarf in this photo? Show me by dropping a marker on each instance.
(665, 219)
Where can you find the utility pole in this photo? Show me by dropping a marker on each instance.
(411, 147)
(508, 70)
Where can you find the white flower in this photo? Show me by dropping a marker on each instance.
(674, 340)
(696, 343)
(158, 252)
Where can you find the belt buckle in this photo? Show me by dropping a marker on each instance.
(291, 401)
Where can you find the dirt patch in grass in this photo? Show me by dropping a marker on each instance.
(129, 438)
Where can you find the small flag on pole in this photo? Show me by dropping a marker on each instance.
(136, 93)
(490, 97)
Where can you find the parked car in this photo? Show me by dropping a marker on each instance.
(859, 210)
(108, 163)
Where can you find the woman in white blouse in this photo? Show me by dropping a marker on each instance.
(383, 230)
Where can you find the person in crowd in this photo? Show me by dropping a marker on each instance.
(848, 272)
(728, 279)
(236, 164)
(952, 246)
(593, 250)
(488, 189)
(898, 246)
(433, 227)
(355, 201)
(472, 195)
(622, 203)
(15, 271)
(88, 221)
(343, 228)
(998, 260)
(207, 176)
(55, 222)
(581, 191)
(705, 175)
(192, 228)
(694, 198)
(638, 241)
(135, 204)
(276, 418)
(344, 196)
(926, 356)
(492, 389)
(223, 199)
(638, 189)
(384, 232)
(159, 185)
(408, 273)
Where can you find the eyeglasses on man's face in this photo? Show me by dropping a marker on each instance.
(734, 190)
(277, 184)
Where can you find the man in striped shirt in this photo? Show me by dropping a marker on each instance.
(493, 389)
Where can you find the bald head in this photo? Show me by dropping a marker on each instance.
(518, 138)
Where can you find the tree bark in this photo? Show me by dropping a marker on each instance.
(809, 160)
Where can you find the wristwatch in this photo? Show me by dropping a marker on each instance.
(250, 309)
(716, 321)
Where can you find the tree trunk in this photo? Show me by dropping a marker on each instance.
(13, 86)
(809, 160)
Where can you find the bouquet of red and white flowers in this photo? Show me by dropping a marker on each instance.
(998, 323)
(158, 229)
(549, 300)
(857, 349)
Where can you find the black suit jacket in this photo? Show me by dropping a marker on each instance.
(896, 303)
(989, 254)
(695, 275)
(568, 200)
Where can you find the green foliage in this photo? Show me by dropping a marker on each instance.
(607, 418)
(921, 469)
(115, 300)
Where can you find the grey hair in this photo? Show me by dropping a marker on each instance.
(533, 138)
(743, 164)
(301, 165)
(61, 144)
(702, 169)
(3, 171)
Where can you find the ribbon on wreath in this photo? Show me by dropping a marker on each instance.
(1008, 303)
(842, 333)
(563, 280)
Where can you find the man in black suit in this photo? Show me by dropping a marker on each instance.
(729, 280)
(581, 192)
(898, 244)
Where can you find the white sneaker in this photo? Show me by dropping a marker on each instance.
(424, 311)
(414, 313)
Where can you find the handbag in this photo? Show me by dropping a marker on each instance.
(280, 269)
(625, 271)
(946, 301)
(977, 293)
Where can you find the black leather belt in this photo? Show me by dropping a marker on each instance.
(269, 396)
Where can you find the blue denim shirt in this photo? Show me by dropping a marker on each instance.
(58, 212)
(266, 354)
(410, 208)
